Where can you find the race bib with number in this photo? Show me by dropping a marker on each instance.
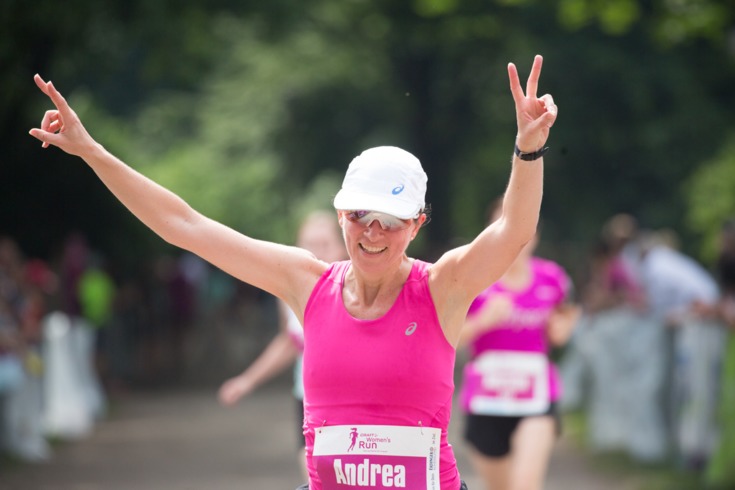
(377, 456)
(510, 383)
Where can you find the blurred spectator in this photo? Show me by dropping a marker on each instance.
(128, 337)
(96, 292)
(74, 396)
(11, 272)
(74, 261)
(12, 376)
(185, 286)
(674, 284)
(601, 364)
(40, 283)
(675, 287)
(196, 271)
(640, 284)
(319, 233)
(172, 303)
(680, 294)
(611, 280)
(68, 412)
(23, 291)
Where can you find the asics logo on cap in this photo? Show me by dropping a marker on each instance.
(386, 179)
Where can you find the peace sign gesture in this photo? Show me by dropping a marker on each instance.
(61, 127)
(534, 115)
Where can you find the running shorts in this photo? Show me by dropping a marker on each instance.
(491, 435)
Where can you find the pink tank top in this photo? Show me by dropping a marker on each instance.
(525, 329)
(396, 370)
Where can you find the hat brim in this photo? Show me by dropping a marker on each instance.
(353, 201)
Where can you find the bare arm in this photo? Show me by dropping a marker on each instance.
(279, 354)
(281, 270)
(462, 273)
(561, 324)
(494, 311)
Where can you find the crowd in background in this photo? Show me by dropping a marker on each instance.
(75, 332)
(651, 363)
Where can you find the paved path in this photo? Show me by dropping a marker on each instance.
(170, 440)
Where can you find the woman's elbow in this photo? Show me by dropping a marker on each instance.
(181, 231)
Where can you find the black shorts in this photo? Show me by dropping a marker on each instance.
(300, 439)
(491, 435)
(306, 487)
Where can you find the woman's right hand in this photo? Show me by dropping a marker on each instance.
(61, 127)
(233, 390)
(496, 310)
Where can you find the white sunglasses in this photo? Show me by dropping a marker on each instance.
(387, 222)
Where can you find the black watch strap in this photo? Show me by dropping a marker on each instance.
(529, 157)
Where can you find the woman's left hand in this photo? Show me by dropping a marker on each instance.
(534, 115)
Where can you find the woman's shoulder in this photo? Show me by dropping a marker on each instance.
(420, 270)
(336, 271)
(421, 265)
(547, 266)
(549, 271)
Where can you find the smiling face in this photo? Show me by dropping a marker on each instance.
(370, 246)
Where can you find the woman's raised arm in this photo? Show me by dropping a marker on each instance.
(462, 273)
(278, 269)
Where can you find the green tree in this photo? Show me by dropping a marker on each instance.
(711, 197)
(243, 107)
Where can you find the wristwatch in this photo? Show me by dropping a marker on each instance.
(529, 157)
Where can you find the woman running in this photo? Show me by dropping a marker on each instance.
(510, 386)
(320, 234)
(380, 329)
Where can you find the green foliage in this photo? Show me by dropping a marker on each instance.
(217, 147)
(614, 17)
(433, 8)
(669, 22)
(250, 109)
(711, 196)
(683, 20)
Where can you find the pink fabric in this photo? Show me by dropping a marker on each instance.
(525, 330)
(620, 278)
(395, 370)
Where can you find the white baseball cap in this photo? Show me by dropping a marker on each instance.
(385, 179)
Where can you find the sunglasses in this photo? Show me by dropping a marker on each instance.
(387, 222)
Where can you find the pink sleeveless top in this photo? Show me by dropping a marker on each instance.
(525, 329)
(396, 370)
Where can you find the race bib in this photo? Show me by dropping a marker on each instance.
(510, 383)
(377, 456)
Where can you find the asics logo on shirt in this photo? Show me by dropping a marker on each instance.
(411, 328)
